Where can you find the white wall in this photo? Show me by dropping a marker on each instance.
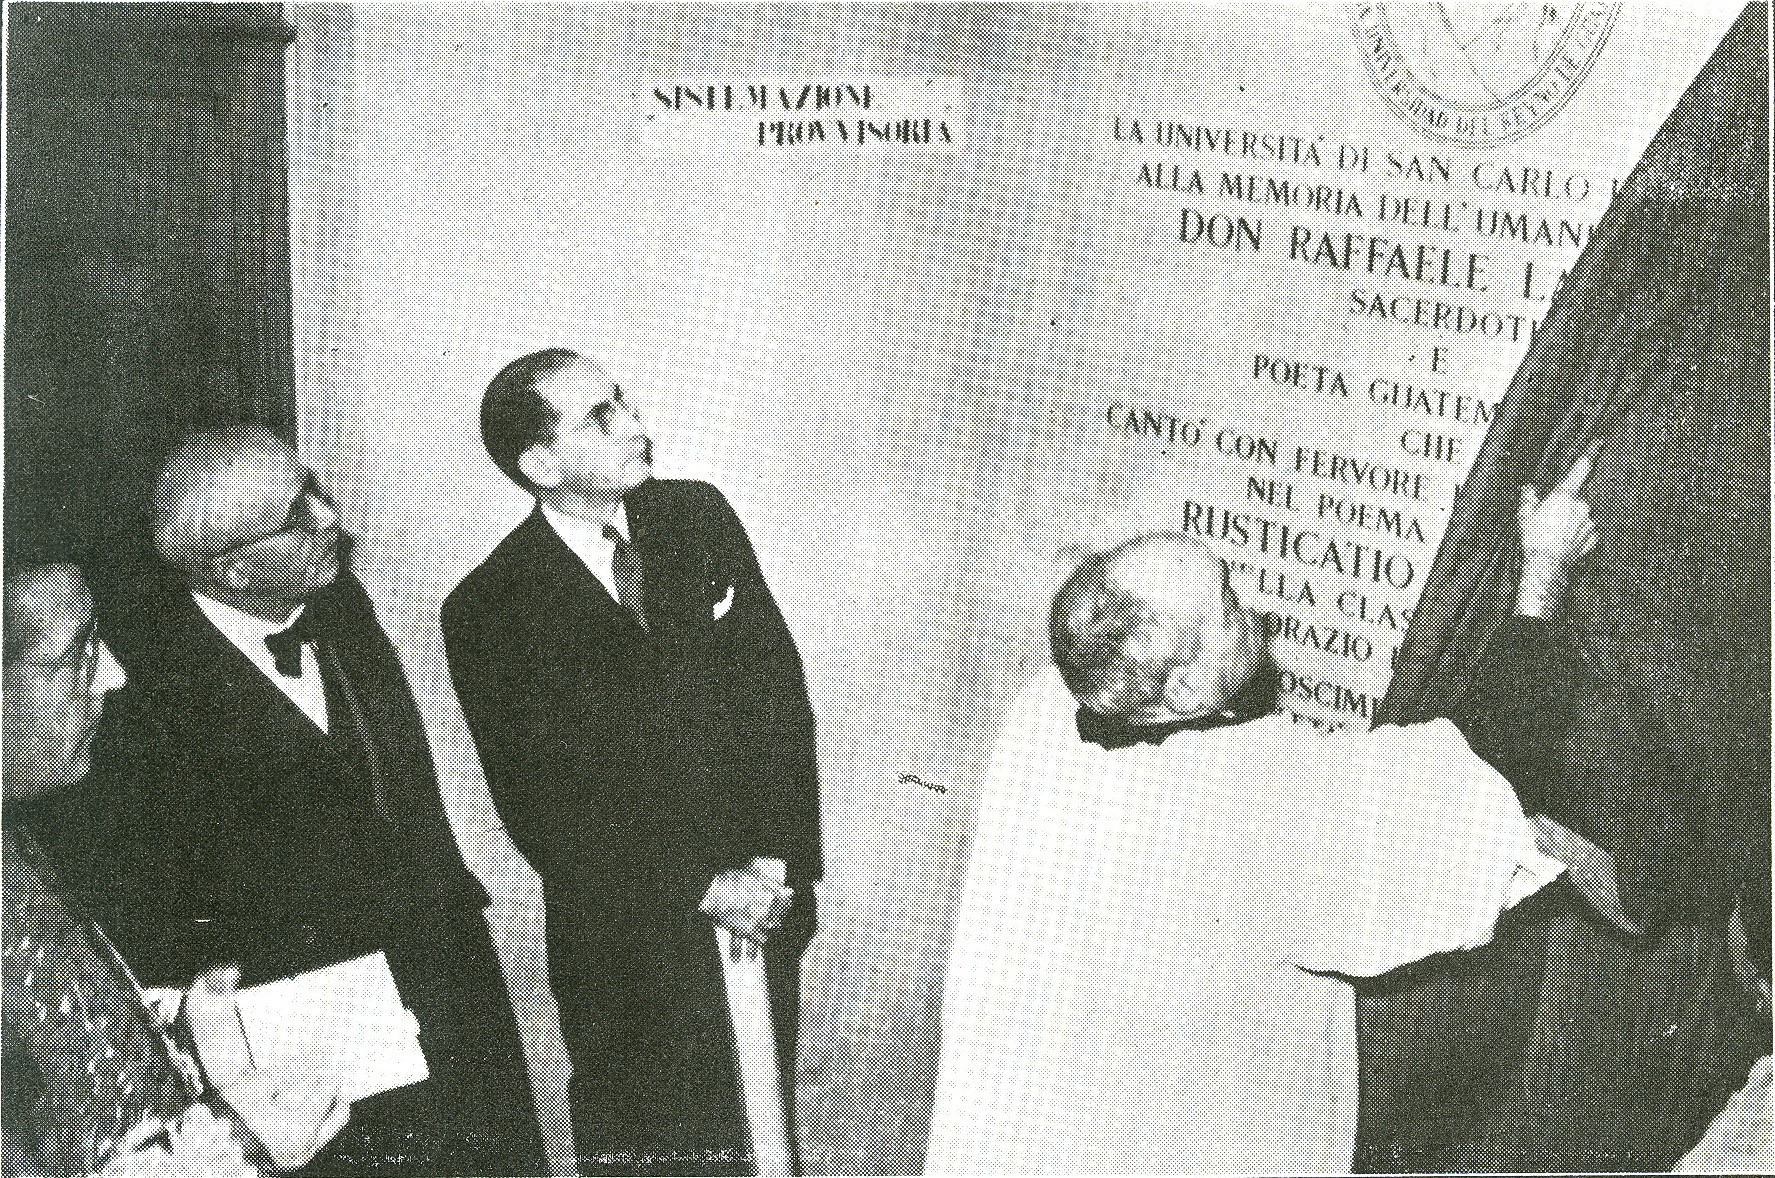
(898, 362)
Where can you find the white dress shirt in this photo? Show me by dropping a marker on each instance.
(589, 543)
(248, 635)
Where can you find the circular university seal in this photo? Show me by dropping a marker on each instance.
(1480, 74)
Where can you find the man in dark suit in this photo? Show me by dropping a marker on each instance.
(643, 718)
(263, 794)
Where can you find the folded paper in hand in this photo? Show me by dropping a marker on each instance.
(348, 1016)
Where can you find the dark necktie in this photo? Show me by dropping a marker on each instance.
(286, 645)
(625, 569)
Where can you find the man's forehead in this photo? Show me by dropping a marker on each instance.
(269, 467)
(243, 494)
(49, 614)
(260, 478)
(578, 388)
(244, 463)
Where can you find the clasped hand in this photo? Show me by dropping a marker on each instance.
(292, 1111)
(748, 905)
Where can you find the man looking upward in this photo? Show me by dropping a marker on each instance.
(263, 794)
(1169, 889)
(642, 715)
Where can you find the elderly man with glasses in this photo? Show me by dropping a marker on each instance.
(264, 794)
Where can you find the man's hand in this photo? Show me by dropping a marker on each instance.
(748, 905)
(195, 1145)
(292, 1110)
(1590, 868)
(292, 1113)
(1557, 532)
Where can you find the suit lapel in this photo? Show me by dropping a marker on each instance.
(215, 668)
(564, 581)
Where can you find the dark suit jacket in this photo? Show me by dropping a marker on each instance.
(221, 824)
(631, 767)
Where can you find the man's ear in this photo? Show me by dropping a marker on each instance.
(1186, 693)
(541, 466)
(232, 575)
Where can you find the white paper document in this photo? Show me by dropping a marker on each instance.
(348, 1016)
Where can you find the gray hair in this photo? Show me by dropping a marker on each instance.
(1129, 617)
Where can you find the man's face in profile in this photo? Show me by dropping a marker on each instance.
(55, 683)
(275, 532)
(600, 448)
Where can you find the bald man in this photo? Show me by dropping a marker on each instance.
(263, 794)
(1169, 888)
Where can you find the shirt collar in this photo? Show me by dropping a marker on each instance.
(240, 627)
(575, 530)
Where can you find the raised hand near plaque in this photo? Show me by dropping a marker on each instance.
(1557, 532)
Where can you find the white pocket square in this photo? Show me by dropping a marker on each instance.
(721, 607)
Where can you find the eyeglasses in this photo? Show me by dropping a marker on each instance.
(602, 415)
(85, 662)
